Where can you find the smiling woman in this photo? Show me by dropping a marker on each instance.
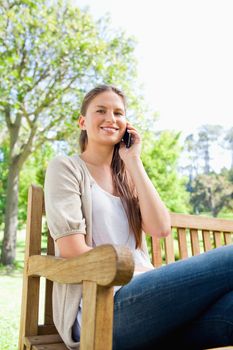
(104, 196)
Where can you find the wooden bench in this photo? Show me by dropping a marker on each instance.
(194, 234)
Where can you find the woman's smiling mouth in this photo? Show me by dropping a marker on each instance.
(109, 129)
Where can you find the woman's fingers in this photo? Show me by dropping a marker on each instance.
(134, 134)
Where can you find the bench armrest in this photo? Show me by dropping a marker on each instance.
(107, 265)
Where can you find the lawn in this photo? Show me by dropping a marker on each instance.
(10, 302)
(10, 298)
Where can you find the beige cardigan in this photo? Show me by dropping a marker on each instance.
(68, 208)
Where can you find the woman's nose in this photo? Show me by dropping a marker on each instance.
(110, 116)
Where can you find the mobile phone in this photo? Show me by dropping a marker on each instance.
(127, 139)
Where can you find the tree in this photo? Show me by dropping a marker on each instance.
(160, 158)
(206, 135)
(190, 162)
(51, 53)
(229, 143)
(197, 151)
(212, 192)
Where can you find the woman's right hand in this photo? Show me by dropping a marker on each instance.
(134, 150)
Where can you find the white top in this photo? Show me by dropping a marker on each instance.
(110, 226)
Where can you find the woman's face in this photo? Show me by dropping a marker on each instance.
(105, 120)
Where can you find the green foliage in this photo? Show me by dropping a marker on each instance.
(160, 157)
(33, 172)
(212, 192)
(51, 54)
(230, 175)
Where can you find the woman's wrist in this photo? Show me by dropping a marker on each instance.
(133, 162)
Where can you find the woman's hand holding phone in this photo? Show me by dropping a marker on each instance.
(130, 146)
(127, 139)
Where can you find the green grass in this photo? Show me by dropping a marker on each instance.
(10, 302)
(10, 297)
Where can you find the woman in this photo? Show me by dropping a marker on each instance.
(104, 196)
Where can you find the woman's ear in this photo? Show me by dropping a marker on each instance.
(82, 122)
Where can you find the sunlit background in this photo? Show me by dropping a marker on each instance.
(185, 57)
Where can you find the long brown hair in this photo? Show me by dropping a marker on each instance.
(122, 183)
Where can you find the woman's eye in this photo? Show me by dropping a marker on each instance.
(119, 113)
(100, 111)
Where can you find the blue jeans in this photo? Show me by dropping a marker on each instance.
(187, 305)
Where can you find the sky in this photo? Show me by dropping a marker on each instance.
(185, 57)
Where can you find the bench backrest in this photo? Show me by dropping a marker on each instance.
(31, 285)
(191, 235)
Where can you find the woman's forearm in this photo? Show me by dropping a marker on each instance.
(155, 216)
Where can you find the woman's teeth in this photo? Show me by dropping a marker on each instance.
(109, 129)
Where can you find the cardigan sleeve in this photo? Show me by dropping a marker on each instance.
(63, 205)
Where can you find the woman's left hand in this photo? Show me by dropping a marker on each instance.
(135, 149)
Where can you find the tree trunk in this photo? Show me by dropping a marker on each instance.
(215, 212)
(11, 216)
(232, 159)
(207, 161)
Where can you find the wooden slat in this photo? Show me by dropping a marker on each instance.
(169, 249)
(217, 239)
(46, 329)
(183, 248)
(48, 319)
(227, 238)
(48, 312)
(97, 317)
(50, 245)
(88, 315)
(42, 339)
(43, 202)
(30, 294)
(156, 251)
(195, 244)
(206, 240)
(201, 222)
(104, 319)
(58, 346)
